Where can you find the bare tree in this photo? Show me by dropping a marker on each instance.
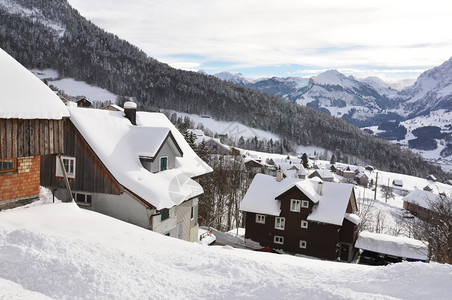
(435, 229)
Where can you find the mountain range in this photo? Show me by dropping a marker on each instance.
(51, 34)
(376, 106)
(362, 102)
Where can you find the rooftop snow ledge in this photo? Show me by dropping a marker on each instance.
(24, 96)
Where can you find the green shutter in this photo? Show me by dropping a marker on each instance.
(165, 214)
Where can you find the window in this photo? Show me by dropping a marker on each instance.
(278, 239)
(303, 244)
(163, 163)
(192, 213)
(82, 198)
(304, 224)
(260, 219)
(8, 165)
(164, 214)
(69, 166)
(279, 223)
(295, 205)
(305, 204)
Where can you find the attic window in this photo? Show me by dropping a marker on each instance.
(305, 204)
(295, 205)
(8, 165)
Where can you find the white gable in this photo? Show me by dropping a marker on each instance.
(24, 96)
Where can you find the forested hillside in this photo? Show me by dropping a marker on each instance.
(51, 34)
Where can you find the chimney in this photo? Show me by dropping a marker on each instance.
(279, 175)
(130, 110)
(320, 188)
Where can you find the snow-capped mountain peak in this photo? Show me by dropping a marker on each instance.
(332, 77)
(234, 78)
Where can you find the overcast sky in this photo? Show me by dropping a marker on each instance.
(259, 38)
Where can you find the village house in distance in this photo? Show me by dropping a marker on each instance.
(309, 217)
(31, 125)
(133, 166)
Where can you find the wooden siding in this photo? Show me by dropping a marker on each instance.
(22, 138)
(90, 174)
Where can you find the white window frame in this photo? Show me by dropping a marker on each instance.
(280, 223)
(304, 203)
(304, 224)
(84, 203)
(295, 205)
(303, 244)
(160, 163)
(59, 170)
(277, 239)
(260, 219)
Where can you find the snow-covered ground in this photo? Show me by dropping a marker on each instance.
(232, 129)
(74, 87)
(59, 251)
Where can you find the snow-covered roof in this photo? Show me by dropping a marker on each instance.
(119, 145)
(24, 96)
(324, 173)
(399, 246)
(330, 207)
(421, 198)
(260, 197)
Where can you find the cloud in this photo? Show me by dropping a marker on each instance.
(322, 34)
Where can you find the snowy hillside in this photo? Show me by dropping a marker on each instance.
(59, 251)
(431, 91)
(233, 129)
(74, 87)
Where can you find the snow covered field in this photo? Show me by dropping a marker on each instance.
(74, 87)
(59, 251)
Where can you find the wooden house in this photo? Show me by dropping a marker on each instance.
(83, 102)
(362, 179)
(418, 202)
(31, 125)
(308, 217)
(134, 166)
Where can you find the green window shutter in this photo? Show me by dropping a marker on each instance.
(165, 214)
(163, 163)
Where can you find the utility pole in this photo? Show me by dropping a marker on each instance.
(376, 184)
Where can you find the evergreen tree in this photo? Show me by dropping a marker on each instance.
(305, 161)
(333, 159)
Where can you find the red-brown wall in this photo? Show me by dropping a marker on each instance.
(22, 184)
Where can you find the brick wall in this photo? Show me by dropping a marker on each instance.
(22, 185)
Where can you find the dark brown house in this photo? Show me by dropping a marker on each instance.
(308, 217)
(31, 125)
(418, 203)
